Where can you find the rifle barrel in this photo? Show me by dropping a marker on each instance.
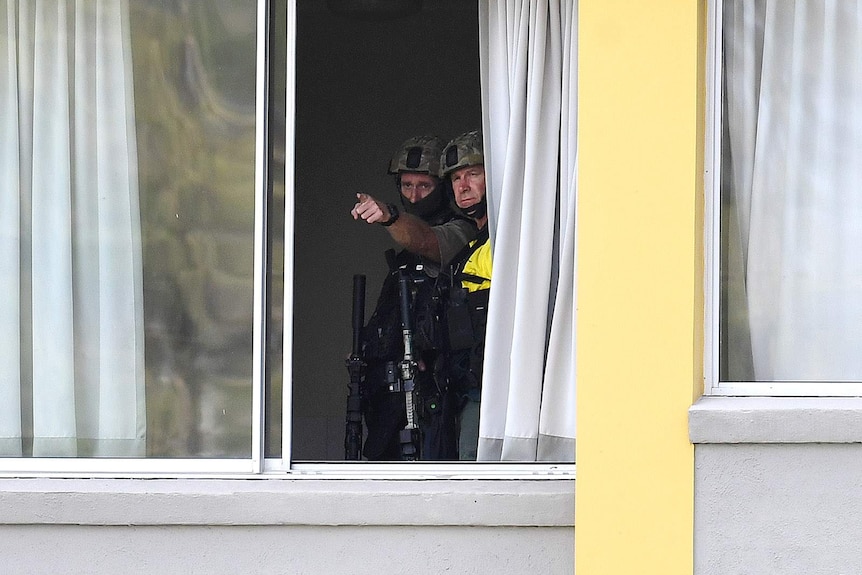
(358, 310)
(404, 285)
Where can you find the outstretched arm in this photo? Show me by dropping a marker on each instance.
(409, 231)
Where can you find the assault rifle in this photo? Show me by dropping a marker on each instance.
(356, 368)
(409, 437)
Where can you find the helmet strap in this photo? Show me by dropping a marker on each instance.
(477, 211)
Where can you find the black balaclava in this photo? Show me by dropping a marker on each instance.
(428, 207)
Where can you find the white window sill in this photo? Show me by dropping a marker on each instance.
(262, 501)
(714, 419)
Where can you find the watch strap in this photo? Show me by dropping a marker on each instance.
(394, 213)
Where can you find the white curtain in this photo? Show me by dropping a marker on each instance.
(71, 374)
(528, 52)
(793, 190)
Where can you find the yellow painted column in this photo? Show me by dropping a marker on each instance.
(640, 301)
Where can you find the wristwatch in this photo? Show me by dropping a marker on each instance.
(393, 215)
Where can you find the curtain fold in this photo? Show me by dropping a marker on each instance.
(558, 417)
(77, 251)
(793, 75)
(528, 68)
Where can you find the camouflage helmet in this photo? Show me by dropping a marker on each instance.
(420, 155)
(465, 150)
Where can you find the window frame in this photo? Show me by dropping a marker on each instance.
(175, 467)
(258, 465)
(364, 470)
(712, 187)
(713, 385)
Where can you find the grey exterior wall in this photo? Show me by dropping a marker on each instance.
(778, 486)
(326, 527)
(290, 550)
(778, 509)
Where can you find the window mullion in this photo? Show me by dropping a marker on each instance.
(712, 207)
(287, 351)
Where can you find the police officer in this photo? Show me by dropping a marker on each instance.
(463, 165)
(429, 231)
(412, 228)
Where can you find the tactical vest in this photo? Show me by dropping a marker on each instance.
(467, 312)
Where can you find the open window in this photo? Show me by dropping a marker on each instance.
(364, 85)
(366, 80)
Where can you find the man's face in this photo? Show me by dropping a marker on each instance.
(468, 184)
(415, 187)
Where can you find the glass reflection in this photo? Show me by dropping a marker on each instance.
(194, 77)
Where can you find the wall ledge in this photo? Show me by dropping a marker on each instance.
(508, 503)
(722, 419)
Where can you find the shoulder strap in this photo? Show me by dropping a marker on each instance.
(461, 257)
(472, 278)
(460, 260)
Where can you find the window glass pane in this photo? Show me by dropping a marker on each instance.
(275, 264)
(195, 100)
(791, 209)
(365, 83)
(130, 245)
